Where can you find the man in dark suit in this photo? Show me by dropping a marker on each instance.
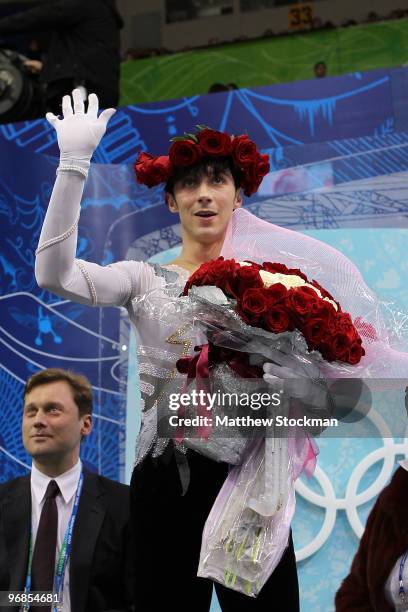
(57, 415)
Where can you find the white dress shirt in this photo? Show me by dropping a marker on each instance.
(68, 483)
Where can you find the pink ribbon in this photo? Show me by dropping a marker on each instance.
(197, 368)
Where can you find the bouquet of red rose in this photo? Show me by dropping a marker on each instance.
(280, 299)
(265, 314)
(252, 314)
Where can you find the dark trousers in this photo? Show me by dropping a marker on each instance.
(167, 529)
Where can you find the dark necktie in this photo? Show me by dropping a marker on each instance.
(43, 565)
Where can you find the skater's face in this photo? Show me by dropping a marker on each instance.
(52, 425)
(205, 203)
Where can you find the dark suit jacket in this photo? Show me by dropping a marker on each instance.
(100, 568)
(384, 540)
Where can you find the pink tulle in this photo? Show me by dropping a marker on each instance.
(249, 237)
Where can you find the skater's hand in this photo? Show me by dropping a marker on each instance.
(80, 132)
(298, 376)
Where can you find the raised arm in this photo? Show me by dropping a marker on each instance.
(56, 267)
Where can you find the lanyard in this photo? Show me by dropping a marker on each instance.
(402, 593)
(63, 554)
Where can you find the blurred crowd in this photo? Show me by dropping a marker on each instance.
(52, 48)
(135, 53)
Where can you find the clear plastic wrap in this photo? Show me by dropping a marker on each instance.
(384, 333)
(247, 530)
(214, 320)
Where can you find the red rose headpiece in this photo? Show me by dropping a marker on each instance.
(187, 151)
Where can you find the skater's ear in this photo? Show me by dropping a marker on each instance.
(171, 202)
(238, 199)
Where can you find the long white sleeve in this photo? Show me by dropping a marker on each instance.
(56, 267)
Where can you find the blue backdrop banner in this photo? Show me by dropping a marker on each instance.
(338, 170)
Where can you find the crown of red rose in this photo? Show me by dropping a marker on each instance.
(187, 151)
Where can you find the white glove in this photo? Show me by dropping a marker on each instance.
(299, 377)
(79, 132)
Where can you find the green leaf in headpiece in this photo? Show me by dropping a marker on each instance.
(186, 136)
